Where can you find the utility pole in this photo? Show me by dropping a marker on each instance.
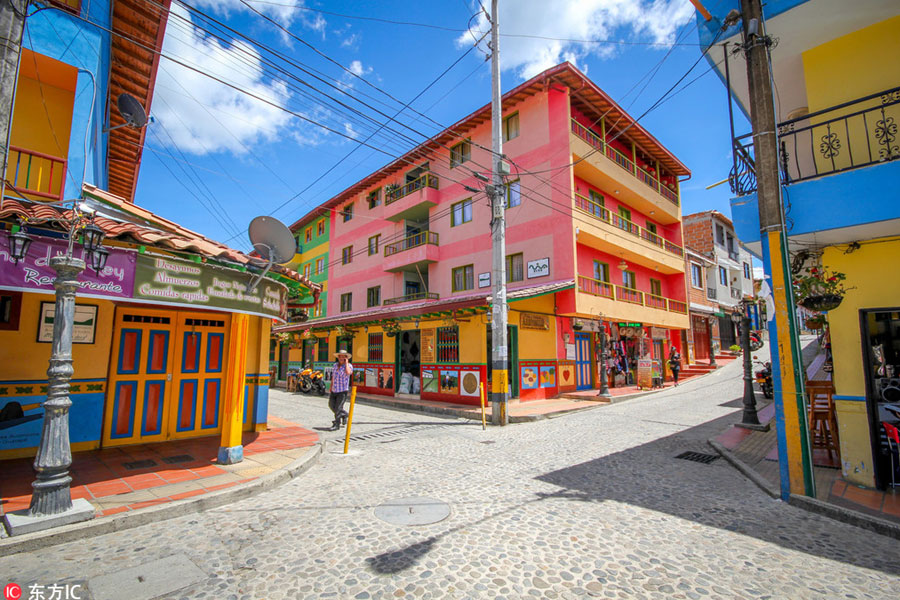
(12, 24)
(499, 350)
(793, 438)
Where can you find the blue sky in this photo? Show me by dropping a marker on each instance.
(221, 152)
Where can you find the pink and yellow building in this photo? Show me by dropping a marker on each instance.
(593, 239)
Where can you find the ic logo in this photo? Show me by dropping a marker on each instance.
(12, 591)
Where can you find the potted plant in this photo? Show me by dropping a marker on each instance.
(819, 289)
(735, 348)
(577, 325)
(815, 322)
(391, 328)
(390, 190)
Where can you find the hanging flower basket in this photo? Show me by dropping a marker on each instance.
(822, 303)
(577, 325)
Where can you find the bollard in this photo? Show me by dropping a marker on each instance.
(483, 423)
(350, 419)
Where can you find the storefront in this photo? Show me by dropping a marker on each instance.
(881, 341)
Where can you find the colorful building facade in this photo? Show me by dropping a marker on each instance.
(593, 239)
(837, 116)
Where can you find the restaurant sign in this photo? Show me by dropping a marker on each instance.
(168, 280)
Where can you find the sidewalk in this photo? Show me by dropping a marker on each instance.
(130, 478)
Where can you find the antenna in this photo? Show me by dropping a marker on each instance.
(131, 110)
(273, 241)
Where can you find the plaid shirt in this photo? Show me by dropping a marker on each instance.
(340, 380)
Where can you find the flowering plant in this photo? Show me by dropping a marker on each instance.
(818, 281)
(391, 328)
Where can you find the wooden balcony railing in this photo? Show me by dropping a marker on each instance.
(426, 180)
(623, 161)
(36, 173)
(412, 297)
(419, 239)
(599, 212)
(595, 287)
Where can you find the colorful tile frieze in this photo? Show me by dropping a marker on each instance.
(37, 388)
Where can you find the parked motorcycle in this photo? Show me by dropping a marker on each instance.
(764, 379)
(756, 341)
(312, 381)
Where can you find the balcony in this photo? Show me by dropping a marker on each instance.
(711, 293)
(413, 253)
(848, 136)
(597, 160)
(618, 293)
(411, 298)
(412, 201)
(644, 247)
(37, 175)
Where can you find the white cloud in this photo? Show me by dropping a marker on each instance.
(285, 12)
(356, 67)
(653, 21)
(203, 115)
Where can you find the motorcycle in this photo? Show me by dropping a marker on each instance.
(756, 341)
(312, 381)
(764, 379)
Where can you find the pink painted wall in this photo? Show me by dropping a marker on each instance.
(672, 285)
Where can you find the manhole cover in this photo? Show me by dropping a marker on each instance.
(413, 511)
(698, 457)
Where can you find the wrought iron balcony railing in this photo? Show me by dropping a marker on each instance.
(851, 135)
(419, 239)
(412, 297)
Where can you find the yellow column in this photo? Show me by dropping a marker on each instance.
(230, 449)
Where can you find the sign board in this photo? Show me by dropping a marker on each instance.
(631, 325)
(173, 281)
(645, 373)
(570, 351)
(84, 327)
(484, 280)
(427, 338)
(534, 321)
(658, 333)
(538, 268)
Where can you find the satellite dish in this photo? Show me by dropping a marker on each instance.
(272, 239)
(131, 110)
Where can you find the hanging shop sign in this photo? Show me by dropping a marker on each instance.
(484, 280)
(35, 273)
(658, 333)
(634, 325)
(534, 321)
(171, 281)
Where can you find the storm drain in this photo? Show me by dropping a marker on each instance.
(698, 457)
(180, 458)
(384, 433)
(413, 511)
(139, 464)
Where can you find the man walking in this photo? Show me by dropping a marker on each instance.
(340, 387)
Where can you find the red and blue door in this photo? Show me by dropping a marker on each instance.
(583, 361)
(166, 376)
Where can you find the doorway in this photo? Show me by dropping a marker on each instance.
(881, 352)
(583, 380)
(409, 357)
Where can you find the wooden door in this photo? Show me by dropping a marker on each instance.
(583, 361)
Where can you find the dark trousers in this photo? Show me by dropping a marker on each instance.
(675, 373)
(336, 404)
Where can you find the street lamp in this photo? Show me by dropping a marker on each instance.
(712, 347)
(604, 357)
(750, 419)
(51, 499)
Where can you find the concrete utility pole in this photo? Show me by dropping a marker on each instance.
(793, 439)
(12, 24)
(499, 349)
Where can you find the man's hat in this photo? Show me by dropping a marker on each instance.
(342, 352)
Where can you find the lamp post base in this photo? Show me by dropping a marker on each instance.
(753, 427)
(21, 522)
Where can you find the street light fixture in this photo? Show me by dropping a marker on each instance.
(18, 245)
(749, 420)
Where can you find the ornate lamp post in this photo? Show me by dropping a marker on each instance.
(750, 419)
(51, 500)
(604, 357)
(712, 347)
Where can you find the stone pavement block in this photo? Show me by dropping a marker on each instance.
(175, 488)
(208, 482)
(150, 580)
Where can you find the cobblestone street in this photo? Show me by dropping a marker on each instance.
(590, 504)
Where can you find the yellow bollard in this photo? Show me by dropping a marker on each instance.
(483, 424)
(349, 419)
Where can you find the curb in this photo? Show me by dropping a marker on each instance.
(741, 466)
(846, 515)
(153, 514)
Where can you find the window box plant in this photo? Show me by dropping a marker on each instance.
(818, 289)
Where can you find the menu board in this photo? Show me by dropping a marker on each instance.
(645, 373)
(427, 340)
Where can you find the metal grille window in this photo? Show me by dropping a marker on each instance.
(376, 347)
(346, 301)
(373, 296)
(515, 270)
(347, 255)
(323, 350)
(463, 278)
(448, 344)
(461, 212)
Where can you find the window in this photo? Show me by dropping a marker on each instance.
(307, 235)
(515, 270)
(374, 198)
(651, 227)
(463, 278)
(720, 235)
(317, 309)
(696, 276)
(629, 280)
(323, 350)
(320, 227)
(597, 198)
(461, 212)
(347, 212)
(511, 127)
(655, 287)
(373, 296)
(746, 271)
(347, 255)
(624, 213)
(347, 302)
(306, 269)
(601, 271)
(513, 194)
(320, 266)
(723, 275)
(10, 308)
(373, 244)
(376, 347)
(729, 239)
(460, 153)
(448, 344)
